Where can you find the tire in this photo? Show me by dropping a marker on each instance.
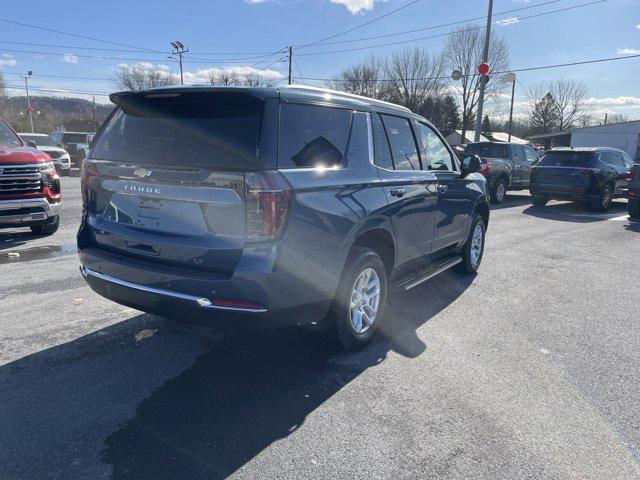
(499, 191)
(540, 201)
(79, 158)
(47, 228)
(603, 202)
(472, 252)
(634, 207)
(360, 262)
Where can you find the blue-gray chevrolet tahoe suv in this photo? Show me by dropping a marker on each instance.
(273, 206)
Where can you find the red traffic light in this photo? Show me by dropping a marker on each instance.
(30, 109)
(483, 68)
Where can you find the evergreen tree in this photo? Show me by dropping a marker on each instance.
(544, 116)
(486, 126)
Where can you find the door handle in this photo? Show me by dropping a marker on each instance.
(398, 192)
(442, 188)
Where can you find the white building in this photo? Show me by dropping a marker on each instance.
(625, 136)
(455, 138)
(503, 137)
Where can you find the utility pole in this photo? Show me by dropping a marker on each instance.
(511, 77)
(605, 118)
(290, 61)
(483, 78)
(180, 50)
(10, 111)
(94, 112)
(26, 87)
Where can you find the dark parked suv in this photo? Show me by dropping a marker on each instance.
(265, 207)
(507, 166)
(596, 175)
(633, 177)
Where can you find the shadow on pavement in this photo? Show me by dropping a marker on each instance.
(575, 212)
(511, 201)
(111, 403)
(14, 238)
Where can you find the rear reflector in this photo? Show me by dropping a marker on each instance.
(236, 304)
(628, 176)
(267, 205)
(486, 168)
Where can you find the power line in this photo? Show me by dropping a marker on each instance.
(447, 33)
(105, 57)
(69, 77)
(527, 69)
(433, 27)
(59, 90)
(78, 47)
(358, 26)
(5, 20)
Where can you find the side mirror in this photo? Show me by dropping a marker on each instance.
(32, 144)
(470, 164)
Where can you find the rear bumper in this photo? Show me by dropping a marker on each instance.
(26, 212)
(561, 192)
(191, 297)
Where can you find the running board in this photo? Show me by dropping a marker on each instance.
(426, 273)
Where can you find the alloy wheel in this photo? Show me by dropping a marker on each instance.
(477, 241)
(364, 301)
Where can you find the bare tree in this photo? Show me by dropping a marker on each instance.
(142, 76)
(564, 99)
(413, 76)
(255, 80)
(2, 84)
(366, 78)
(571, 102)
(463, 51)
(225, 79)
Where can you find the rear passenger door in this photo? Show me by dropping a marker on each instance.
(455, 202)
(521, 168)
(410, 191)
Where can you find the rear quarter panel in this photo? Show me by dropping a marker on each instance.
(331, 208)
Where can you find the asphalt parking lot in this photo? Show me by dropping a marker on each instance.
(528, 370)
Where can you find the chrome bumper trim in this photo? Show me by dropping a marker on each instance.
(49, 209)
(200, 301)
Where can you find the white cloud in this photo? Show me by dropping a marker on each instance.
(614, 101)
(8, 60)
(355, 6)
(508, 21)
(69, 58)
(254, 2)
(204, 74)
(638, 26)
(628, 51)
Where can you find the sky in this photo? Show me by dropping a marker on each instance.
(236, 34)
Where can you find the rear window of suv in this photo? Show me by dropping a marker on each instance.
(74, 138)
(566, 159)
(202, 129)
(488, 150)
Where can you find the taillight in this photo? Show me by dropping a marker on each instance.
(267, 205)
(486, 168)
(628, 176)
(89, 170)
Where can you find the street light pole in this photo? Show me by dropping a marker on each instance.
(26, 87)
(511, 77)
(179, 49)
(483, 78)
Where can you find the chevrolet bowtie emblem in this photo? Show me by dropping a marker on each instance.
(142, 172)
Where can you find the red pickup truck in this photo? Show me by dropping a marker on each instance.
(29, 185)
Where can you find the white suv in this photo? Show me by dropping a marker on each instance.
(46, 144)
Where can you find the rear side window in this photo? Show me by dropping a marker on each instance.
(202, 129)
(381, 144)
(487, 150)
(403, 145)
(567, 159)
(518, 153)
(312, 136)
